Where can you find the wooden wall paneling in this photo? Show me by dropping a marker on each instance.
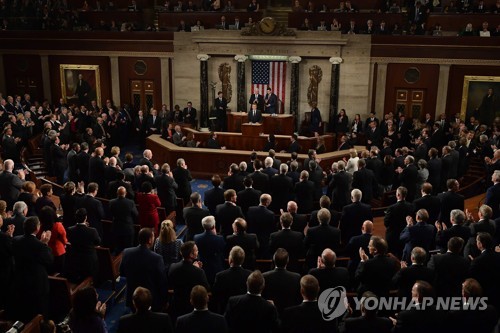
(427, 83)
(104, 71)
(23, 74)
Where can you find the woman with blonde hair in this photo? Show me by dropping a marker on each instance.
(167, 245)
(352, 163)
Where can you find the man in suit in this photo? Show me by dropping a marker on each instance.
(354, 244)
(369, 321)
(254, 115)
(364, 180)
(248, 242)
(375, 274)
(321, 237)
(178, 137)
(420, 234)
(457, 229)
(282, 286)
(353, 216)
(220, 112)
(270, 101)
(258, 98)
(327, 274)
(261, 222)
(145, 175)
(450, 269)
(291, 241)
(93, 207)
(118, 182)
(189, 114)
(144, 319)
(58, 157)
(294, 146)
(81, 261)
(429, 202)
(140, 126)
(340, 186)
(493, 195)
(17, 219)
(182, 177)
(395, 221)
(234, 180)
(153, 123)
(165, 187)
(201, 319)
(434, 165)
(10, 184)
(193, 215)
(450, 200)
(214, 196)
(249, 196)
(232, 281)
(82, 90)
(211, 249)
(183, 276)
(145, 268)
(404, 279)
(260, 179)
(213, 143)
(97, 170)
(373, 135)
(324, 202)
(269, 170)
(408, 177)
(251, 312)
(227, 212)
(305, 193)
(82, 162)
(125, 215)
(33, 258)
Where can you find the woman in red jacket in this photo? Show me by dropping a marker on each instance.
(58, 240)
(148, 203)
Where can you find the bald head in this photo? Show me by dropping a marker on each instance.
(367, 227)
(121, 192)
(291, 207)
(328, 257)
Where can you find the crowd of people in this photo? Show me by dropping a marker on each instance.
(260, 210)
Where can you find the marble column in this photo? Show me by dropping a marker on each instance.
(203, 58)
(294, 89)
(334, 92)
(241, 91)
(115, 81)
(47, 91)
(381, 83)
(444, 76)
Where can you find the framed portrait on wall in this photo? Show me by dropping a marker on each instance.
(80, 84)
(481, 98)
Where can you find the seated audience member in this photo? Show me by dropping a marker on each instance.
(327, 274)
(193, 216)
(215, 195)
(420, 234)
(87, 314)
(213, 143)
(144, 319)
(375, 274)
(450, 269)
(167, 244)
(232, 281)
(404, 279)
(211, 249)
(251, 312)
(368, 321)
(201, 319)
(248, 242)
(321, 237)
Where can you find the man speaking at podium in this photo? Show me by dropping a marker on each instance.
(254, 115)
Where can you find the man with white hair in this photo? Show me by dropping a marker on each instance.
(210, 248)
(268, 167)
(281, 189)
(10, 184)
(147, 156)
(353, 216)
(17, 219)
(493, 195)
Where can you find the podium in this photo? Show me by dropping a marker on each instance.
(250, 129)
(282, 124)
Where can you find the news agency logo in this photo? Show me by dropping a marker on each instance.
(332, 303)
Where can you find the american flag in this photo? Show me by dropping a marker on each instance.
(269, 74)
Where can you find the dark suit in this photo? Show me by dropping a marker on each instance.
(142, 267)
(225, 214)
(113, 188)
(430, 203)
(153, 126)
(421, 234)
(375, 136)
(31, 282)
(352, 250)
(248, 242)
(182, 277)
(395, 222)
(427, 320)
(306, 318)
(82, 162)
(189, 115)
(473, 320)
(260, 221)
(95, 212)
(125, 215)
(443, 236)
(254, 118)
(18, 221)
(450, 270)
(319, 238)
(182, 178)
(353, 216)
(434, 165)
(405, 278)
(251, 313)
(260, 181)
(449, 201)
(247, 198)
(235, 182)
(258, 99)
(376, 274)
(367, 325)
(282, 287)
(364, 180)
(493, 199)
(7, 264)
(201, 321)
(97, 171)
(408, 179)
(305, 193)
(290, 240)
(82, 261)
(230, 282)
(293, 147)
(10, 186)
(331, 277)
(220, 113)
(151, 322)
(340, 186)
(192, 217)
(58, 162)
(484, 269)
(213, 198)
(211, 253)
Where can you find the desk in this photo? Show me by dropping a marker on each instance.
(282, 124)
(249, 129)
